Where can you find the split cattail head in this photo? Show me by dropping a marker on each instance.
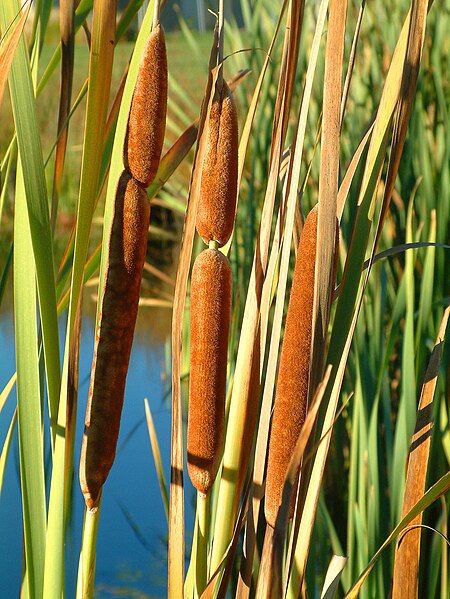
(114, 336)
(291, 397)
(147, 119)
(218, 191)
(210, 322)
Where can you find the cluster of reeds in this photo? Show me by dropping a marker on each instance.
(312, 434)
(292, 434)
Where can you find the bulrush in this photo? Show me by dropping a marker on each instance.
(218, 192)
(114, 335)
(291, 398)
(210, 321)
(147, 119)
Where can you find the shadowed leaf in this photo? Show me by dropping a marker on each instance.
(333, 577)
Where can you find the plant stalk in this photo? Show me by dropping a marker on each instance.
(155, 20)
(86, 568)
(201, 563)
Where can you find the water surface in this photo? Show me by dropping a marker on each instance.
(131, 555)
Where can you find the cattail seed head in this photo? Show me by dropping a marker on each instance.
(147, 120)
(291, 398)
(218, 191)
(114, 335)
(210, 322)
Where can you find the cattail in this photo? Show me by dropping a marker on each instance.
(147, 120)
(218, 191)
(114, 336)
(210, 320)
(291, 399)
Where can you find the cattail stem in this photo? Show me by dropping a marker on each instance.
(201, 562)
(155, 20)
(86, 568)
(220, 46)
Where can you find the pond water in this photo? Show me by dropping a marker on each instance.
(131, 550)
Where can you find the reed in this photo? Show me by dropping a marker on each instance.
(114, 336)
(378, 337)
(210, 320)
(217, 202)
(147, 119)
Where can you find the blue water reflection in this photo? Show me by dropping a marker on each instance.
(131, 557)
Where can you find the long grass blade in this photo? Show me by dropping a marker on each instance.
(8, 45)
(157, 457)
(100, 68)
(67, 18)
(416, 37)
(344, 188)
(333, 577)
(246, 130)
(328, 185)
(7, 390)
(433, 493)
(304, 534)
(6, 448)
(406, 564)
(29, 406)
(30, 152)
(364, 216)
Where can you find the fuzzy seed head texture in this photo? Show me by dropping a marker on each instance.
(293, 375)
(210, 322)
(114, 335)
(147, 119)
(218, 192)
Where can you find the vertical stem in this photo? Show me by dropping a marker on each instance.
(220, 46)
(86, 568)
(351, 61)
(201, 564)
(155, 14)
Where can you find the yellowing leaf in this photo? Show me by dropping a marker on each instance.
(7, 50)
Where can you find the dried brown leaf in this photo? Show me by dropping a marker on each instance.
(328, 184)
(407, 555)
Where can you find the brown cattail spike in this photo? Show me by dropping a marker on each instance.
(147, 120)
(210, 321)
(291, 397)
(114, 337)
(218, 191)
